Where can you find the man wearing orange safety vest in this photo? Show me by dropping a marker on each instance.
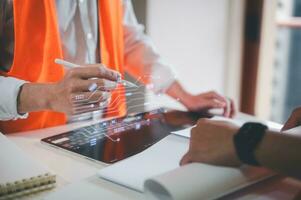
(37, 93)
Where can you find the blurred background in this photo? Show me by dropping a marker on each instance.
(245, 49)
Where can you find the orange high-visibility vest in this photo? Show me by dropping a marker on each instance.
(37, 44)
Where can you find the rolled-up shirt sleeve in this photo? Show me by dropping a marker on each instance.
(10, 88)
(141, 57)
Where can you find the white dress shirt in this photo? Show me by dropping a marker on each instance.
(78, 27)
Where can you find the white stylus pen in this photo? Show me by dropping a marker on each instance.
(71, 65)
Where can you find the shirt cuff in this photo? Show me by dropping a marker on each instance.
(10, 88)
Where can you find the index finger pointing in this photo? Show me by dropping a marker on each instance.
(291, 123)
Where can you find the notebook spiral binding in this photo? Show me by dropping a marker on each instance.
(27, 186)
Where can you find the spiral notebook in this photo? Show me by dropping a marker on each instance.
(19, 174)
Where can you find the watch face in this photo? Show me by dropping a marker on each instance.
(246, 141)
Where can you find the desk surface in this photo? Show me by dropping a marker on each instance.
(71, 169)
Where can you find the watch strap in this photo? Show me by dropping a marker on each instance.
(247, 139)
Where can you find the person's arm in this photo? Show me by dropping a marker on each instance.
(142, 60)
(287, 161)
(203, 101)
(280, 152)
(212, 142)
(71, 95)
(144, 63)
(294, 120)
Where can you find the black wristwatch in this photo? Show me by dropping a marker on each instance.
(247, 139)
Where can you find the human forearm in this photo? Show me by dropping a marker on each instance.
(202, 101)
(280, 152)
(213, 142)
(76, 93)
(34, 97)
(176, 91)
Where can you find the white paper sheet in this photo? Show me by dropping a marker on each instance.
(83, 190)
(157, 159)
(15, 165)
(183, 133)
(199, 181)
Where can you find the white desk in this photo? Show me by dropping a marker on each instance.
(71, 169)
